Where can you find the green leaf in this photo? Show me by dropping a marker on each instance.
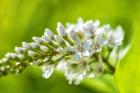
(128, 70)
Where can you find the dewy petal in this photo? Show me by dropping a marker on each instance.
(47, 71)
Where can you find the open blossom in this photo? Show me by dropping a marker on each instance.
(77, 50)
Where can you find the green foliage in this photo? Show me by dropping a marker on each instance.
(128, 72)
(22, 19)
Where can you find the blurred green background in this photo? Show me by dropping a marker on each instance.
(22, 19)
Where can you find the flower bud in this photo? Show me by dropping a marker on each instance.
(19, 49)
(26, 45)
(44, 49)
(34, 45)
(31, 53)
(58, 38)
(4, 60)
(20, 56)
(37, 40)
(46, 39)
(48, 33)
(61, 30)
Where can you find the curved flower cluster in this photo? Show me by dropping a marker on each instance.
(80, 50)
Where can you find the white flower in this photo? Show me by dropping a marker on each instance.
(91, 27)
(76, 71)
(85, 50)
(79, 26)
(47, 71)
(116, 37)
(79, 50)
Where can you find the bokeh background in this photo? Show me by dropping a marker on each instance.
(22, 19)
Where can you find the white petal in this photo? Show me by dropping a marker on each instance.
(31, 53)
(4, 60)
(13, 55)
(37, 40)
(89, 27)
(60, 29)
(48, 33)
(46, 39)
(86, 46)
(71, 49)
(80, 21)
(96, 23)
(75, 37)
(34, 45)
(47, 71)
(62, 66)
(118, 35)
(58, 38)
(26, 45)
(86, 53)
(44, 48)
(76, 56)
(123, 52)
(61, 50)
(20, 49)
(20, 56)
(79, 78)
